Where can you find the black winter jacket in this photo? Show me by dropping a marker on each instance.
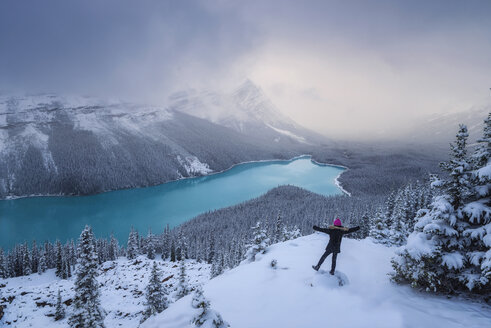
(335, 236)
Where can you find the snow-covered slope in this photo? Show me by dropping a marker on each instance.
(256, 295)
(31, 300)
(51, 144)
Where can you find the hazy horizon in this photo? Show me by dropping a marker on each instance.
(344, 68)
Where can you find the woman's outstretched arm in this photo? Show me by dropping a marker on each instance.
(352, 229)
(316, 228)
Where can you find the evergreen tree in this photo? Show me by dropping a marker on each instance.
(34, 257)
(278, 233)
(166, 243)
(457, 188)
(155, 294)
(179, 250)
(26, 261)
(365, 225)
(113, 249)
(217, 265)
(183, 244)
(68, 270)
(259, 242)
(446, 251)
(206, 317)
(87, 311)
(294, 233)
(397, 235)
(42, 267)
(477, 214)
(60, 268)
(211, 251)
(132, 248)
(173, 251)
(379, 231)
(3, 270)
(150, 246)
(182, 287)
(389, 208)
(60, 310)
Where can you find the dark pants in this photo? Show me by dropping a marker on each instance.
(326, 254)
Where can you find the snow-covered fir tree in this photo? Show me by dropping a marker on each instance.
(87, 311)
(279, 230)
(183, 244)
(451, 241)
(26, 261)
(132, 249)
(166, 243)
(217, 265)
(156, 295)
(3, 270)
(172, 251)
(113, 248)
(365, 225)
(389, 208)
(477, 215)
(397, 234)
(259, 242)
(150, 246)
(42, 267)
(292, 234)
(34, 257)
(59, 260)
(182, 287)
(59, 309)
(206, 317)
(379, 231)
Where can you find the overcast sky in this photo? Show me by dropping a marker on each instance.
(343, 68)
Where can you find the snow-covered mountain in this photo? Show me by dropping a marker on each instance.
(246, 109)
(51, 144)
(255, 295)
(440, 129)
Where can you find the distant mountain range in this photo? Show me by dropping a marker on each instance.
(440, 129)
(58, 145)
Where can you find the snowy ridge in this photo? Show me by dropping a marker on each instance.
(293, 295)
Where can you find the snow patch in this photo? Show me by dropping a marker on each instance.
(193, 166)
(289, 134)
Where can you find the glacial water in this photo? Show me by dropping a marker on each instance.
(51, 218)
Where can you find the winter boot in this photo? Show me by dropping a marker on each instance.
(315, 267)
(331, 272)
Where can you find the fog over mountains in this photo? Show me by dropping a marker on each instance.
(51, 144)
(71, 145)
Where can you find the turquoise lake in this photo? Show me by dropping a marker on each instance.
(51, 218)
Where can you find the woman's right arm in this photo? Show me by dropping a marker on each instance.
(316, 228)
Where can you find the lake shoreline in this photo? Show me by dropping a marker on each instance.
(336, 180)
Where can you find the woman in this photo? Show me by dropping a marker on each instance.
(335, 233)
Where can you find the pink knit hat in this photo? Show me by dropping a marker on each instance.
(337, 222)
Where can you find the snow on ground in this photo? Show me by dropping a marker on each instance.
(256, 295)
(31, 300)
(293, 295)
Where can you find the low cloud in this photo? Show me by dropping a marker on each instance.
(349, 69)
